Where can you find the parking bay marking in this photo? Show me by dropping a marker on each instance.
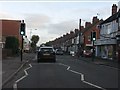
(82, 77)
(26, 74)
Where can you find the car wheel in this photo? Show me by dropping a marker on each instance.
(54, 60)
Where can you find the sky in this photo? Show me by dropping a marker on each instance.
(52, 19)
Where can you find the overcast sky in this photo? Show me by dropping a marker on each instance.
(50, 20)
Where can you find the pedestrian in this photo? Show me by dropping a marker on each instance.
(78, 53)
(93, 54)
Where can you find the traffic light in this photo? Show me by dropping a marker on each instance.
(22, 29)
(94, 36)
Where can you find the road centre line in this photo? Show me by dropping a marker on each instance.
(26, 74)
(82, 76)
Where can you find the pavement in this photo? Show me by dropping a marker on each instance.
(99, 61)
(12, 65)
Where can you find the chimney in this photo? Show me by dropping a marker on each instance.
(71, 34)
(95, 19)
(114, 9)
(76, 30)
(87, 24)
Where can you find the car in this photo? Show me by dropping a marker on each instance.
(59, 52)
(87, 53)
(72, 53)
(46, 54)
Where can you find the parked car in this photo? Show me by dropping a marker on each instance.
(72, 53)
(87, 53)
(46, 54)
(59, 52)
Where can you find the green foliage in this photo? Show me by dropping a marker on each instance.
(12, 43)
(34, 39)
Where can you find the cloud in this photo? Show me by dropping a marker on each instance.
(62, 27)
(83, 13)
(4, 15)
(37, 20)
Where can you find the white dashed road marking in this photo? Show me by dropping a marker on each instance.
(68, 68)
(26, 74)
(82, 77)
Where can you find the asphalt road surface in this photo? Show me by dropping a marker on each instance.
(68, 72)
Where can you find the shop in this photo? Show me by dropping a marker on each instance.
(118, 47)
(106, 49)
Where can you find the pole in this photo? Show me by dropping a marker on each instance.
(93, 53)
(22, 49)
(79, 47)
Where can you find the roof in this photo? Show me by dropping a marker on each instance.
(86, 29)
(111, 18)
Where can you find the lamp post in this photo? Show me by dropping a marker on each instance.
(80, 37)
(31, 32)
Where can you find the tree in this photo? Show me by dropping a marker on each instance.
(12, 43)
(34, 39)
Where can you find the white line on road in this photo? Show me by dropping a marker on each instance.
(26, 74)
(63, 64)
(82, 77)
(94, 85)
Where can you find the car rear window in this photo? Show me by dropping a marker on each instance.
(47, 49)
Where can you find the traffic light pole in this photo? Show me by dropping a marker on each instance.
(22, 50)
(93, 52)
(22, 33)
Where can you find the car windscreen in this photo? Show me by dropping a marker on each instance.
(46, 50)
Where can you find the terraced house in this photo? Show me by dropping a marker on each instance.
(106, 46)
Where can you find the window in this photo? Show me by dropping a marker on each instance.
(108, 28)
(89, 38)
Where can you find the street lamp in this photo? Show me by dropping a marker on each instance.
(31, 32)
(80, 34)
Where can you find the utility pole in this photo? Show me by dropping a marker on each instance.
(79, 45)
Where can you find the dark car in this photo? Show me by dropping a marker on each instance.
(87, 53)
(59, 52)
(46, 54)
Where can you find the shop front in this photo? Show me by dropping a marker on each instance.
(106, 49)
(118, 47)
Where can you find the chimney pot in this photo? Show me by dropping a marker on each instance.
(114, 9)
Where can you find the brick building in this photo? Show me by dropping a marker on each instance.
(86, 33)
(10, 28)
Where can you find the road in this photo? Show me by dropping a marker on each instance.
(67, 72)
